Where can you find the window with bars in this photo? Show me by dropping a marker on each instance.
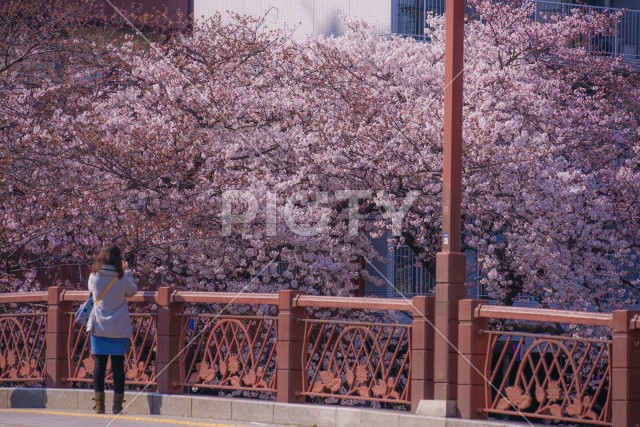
(411, 277)
(411, 15)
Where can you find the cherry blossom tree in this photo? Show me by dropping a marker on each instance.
(166, 139)
(54, 54)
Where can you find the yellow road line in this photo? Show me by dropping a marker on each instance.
(121, 417)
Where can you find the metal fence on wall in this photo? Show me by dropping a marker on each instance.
(410, 20)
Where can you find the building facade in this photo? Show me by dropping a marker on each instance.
(407, 17)
(399, 267)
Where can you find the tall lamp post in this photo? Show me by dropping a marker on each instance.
(450, 261)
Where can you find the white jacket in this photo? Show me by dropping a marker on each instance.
(110, 317)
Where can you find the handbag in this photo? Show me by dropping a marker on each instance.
(84, 311)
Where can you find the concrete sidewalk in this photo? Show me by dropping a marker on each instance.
(39, 407)
(67, 418)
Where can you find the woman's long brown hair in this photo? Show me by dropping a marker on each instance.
(110, 254)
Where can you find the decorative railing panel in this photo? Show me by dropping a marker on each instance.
(140, 366)
(22, 347)
(548, 377)
(354, 360)
(543, 378)
(229, 352)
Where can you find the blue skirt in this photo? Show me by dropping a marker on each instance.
(113, 346)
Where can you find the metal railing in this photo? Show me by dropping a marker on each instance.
(548, 375)
(410, 16)
(411, 276)
(22, 348)
(297, 348)
(626, 42)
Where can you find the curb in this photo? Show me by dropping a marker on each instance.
(228, 409)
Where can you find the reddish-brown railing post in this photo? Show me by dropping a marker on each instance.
(625, 369)
(422, 350)
(57, 351)
(472, 343)
(169, 326)
(289, 348)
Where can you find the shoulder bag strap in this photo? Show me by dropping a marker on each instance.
(103, 293)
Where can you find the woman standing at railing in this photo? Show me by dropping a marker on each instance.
(110, 283)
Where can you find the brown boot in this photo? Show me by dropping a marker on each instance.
(118, 400)
(99, 406)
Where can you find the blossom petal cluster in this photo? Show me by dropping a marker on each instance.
(139, 143)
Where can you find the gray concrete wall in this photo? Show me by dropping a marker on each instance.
(306, 16)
